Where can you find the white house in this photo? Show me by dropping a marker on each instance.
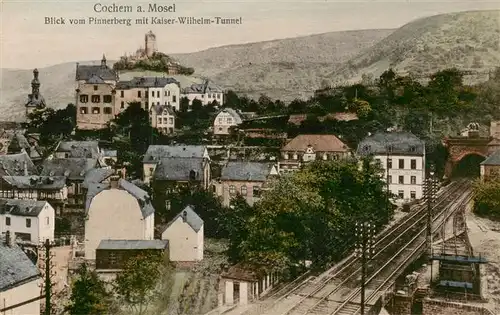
(116, 210)
(226, 119)
(402, 156)
(20, 280)
(163, 91)
(155, 153)
(185, 236)
(28, 220)
(206, 92)
(162, 117)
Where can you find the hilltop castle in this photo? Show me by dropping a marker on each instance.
(149, 48)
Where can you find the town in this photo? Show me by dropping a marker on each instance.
(150, 196)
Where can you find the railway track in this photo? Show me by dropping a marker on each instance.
(343, 279)
(380, 277)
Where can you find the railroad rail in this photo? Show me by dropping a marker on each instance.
(317, 299)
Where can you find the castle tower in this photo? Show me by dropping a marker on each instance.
(150, 44)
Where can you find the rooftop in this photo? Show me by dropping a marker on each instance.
(190, 217)
(15, 267)
(320, 143)
(236, 116)
(103, 72)
(493, 159)
(72, 168)
(246, 171)
(21, 207)
(203, 88)
(404, 143)
(16, 165)
(157, 152)
(132, 244)
(163, 109)
(36, 182)
(179, 169)
(145, 82)
(79, 149)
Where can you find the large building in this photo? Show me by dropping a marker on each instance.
(95, 95)
(402, 156)
(206, 92)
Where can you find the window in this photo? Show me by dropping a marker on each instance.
(243, 190)
(152, 93)
(286, 156)
(378, 162)
(229, 120)
(413, 194)
(138, 93)
(413, 164)
(83, 110)
(122, 105)
(107, 99)
(295, 156)
(401, 194)
(232, 190)
(256, 191)
(171, 120)
(95, 87)
(107, 110)
(192, 175)
(221, 121)
(122, 93)
(401, 180)
(413, 180)
(390, 148)
(157, 93)
(401, 163)
(389, 179)
(28, 223)
(389, 163)
(159, 120)
(218, 96)
(7, 221)
(96, 98)
(84, 98)
(413, 148)
(96, 110)
(174, 98)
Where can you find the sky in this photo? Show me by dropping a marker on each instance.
(27, 42)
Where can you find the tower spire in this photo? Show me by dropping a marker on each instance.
(35, 83)
(103, 61)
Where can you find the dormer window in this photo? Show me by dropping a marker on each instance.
(192, 175)
(390, 148)
(413, 148)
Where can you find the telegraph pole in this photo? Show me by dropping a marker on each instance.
(365, 250)
(47, 265)
(430, 188)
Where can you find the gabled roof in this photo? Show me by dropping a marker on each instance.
(72, 168)
(36, 182)
(203, 88)
(233, 113)
(404, 143)
(145, 82)
(16, 165)
(142, 197)
(96, 175)
(246, 171)
(157, 152)
(132, 244)
(21, 207)
(15, 267)
(189, 216)
(159, 109)
(79, 149)
(179, 169)
(493, 159)
(86, 72)
(320, 143)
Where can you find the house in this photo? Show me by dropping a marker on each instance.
(244, 283)
(162, 117)
(306, 148)
(77, 149)
(17, 165)
(20, 280)
(490, 167)
(402, 157)
(29, 220)
(156, 152)
(248, 179)
(112, 255)
(95, 95)
(177, 171)
(185, 236)
(109, 157)
(35, 99)
(20, 144)
(52, 189)
(225, 119)
(206, 92)
(121, 203)
(148, 91)
(75, 170)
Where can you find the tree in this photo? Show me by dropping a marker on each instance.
(88, 294)
(184, 104)
(52, 125)
(136, 284)
(487, 197)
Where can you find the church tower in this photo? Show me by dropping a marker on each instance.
(103, 61)
(150, 44)
(35, 99)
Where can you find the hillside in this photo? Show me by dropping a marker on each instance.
(467, 40)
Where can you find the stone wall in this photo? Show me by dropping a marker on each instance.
(433, 307)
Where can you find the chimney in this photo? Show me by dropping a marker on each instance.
(184, 216)
(113, 181)
(10, 240)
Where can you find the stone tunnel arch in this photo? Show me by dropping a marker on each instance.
(466, 150)
(468, 165)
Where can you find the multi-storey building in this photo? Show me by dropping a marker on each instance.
(306, 148)
(148, 91)
(162, 117)
(224, 120)
(402, 157)
(206, 92)
(95, 95)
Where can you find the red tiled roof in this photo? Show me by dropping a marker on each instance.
(297, 119)
(321, 143)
